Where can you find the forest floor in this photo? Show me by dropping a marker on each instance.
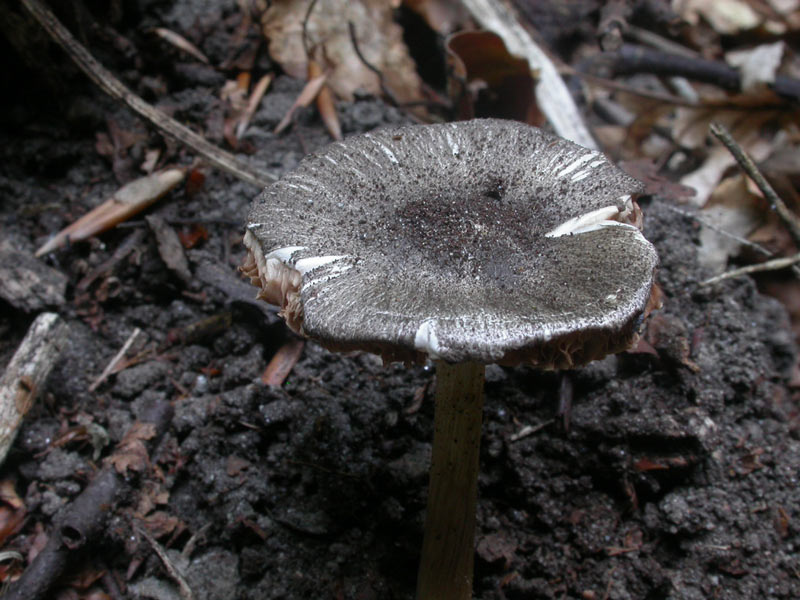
(674, 474)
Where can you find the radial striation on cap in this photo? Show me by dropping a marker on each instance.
(483, 240)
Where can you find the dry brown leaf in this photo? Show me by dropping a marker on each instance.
(161, 523)
(9, 495)
(152, 494)
(379, 39)
(488, 81)
(305, 98)
(127, 201)
(235, 465)
(86, 577)
(646, 171)
(443, 16)
(282, 363)
(169, 247)
(234, 94)
(131, 453)
(734, 209)
(11, 522)
(325, 103)
(181, 43)
(727, 17)
(38, 540)
(252, 104)
(748, 128)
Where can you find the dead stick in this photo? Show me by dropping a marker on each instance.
(81, 522)
(115, 361)
(631, 59)
(25, 375)
(771, 265)
(174, 572)
(119, 91)
(748, 166)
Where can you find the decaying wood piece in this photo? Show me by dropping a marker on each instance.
(25, 375)
(28, 284)
(554, 99)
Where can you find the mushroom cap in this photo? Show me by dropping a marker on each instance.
(483, 240)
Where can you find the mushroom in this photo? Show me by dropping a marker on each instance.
(468, 243)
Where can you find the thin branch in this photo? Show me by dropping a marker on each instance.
(775, 264)
(629, 89)
(115, 361)
(386, 91)
(306, 45)
(119, 91)
(632, 59)
(648, 38)
(174, 572)
(748, 166)
(738, 239)
(706, 223)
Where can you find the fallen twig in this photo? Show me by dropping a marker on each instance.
(738, 239)
(26, 374)
(632, 59)
(131, 243)
(115, 361)
(118, 90)
(384, 88)
(789, 219)
(183, 585)
(82, 521)
(771, 265)
(706, 223)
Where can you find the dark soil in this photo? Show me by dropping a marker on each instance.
(672, 475)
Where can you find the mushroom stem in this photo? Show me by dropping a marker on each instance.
(448, 548)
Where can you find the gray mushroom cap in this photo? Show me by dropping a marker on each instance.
(483, 240)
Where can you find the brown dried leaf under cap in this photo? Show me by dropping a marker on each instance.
(131, 453)
(439, 240)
